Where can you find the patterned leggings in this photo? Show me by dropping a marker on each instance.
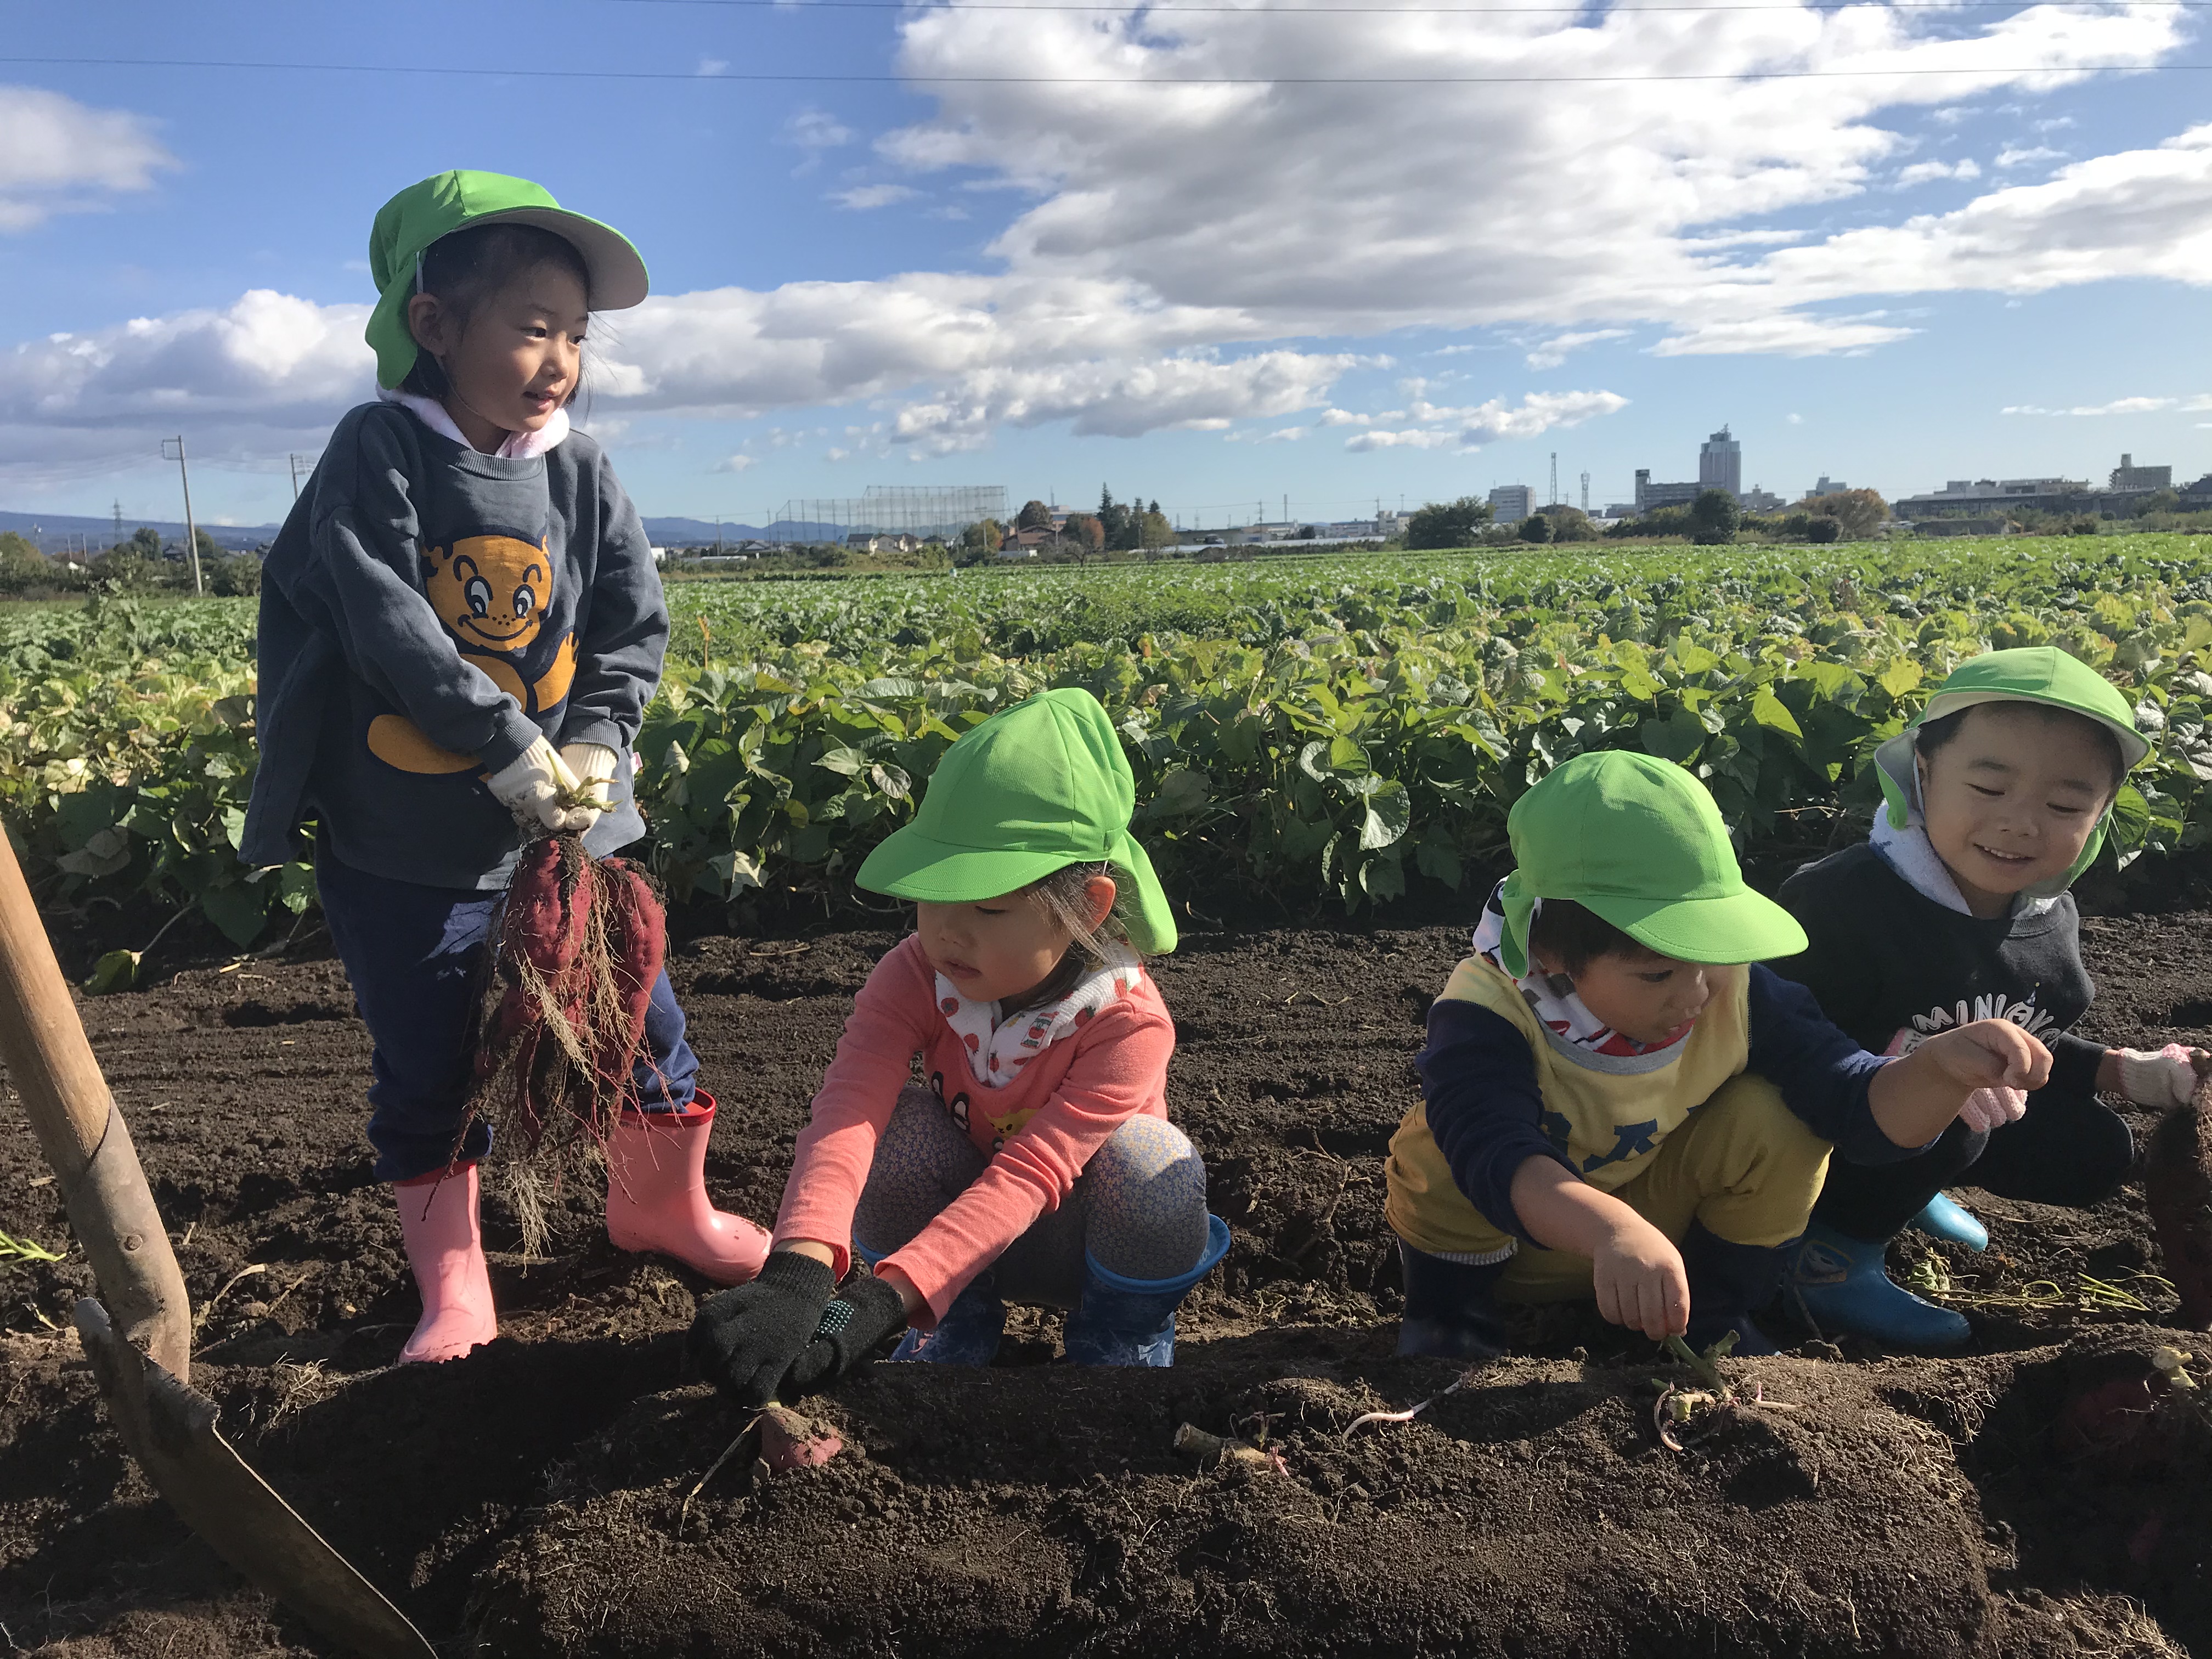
(1139, 1207)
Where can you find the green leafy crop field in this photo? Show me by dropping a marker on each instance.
(1333, 727)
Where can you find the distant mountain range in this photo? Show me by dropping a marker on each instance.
(61, 533)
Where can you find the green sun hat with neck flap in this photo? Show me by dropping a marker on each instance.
(2037, 673)
(448, 202)
(1032, 790)
(1639, 841)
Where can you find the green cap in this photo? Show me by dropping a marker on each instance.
(1031, 791)
(448, 202)
(1639, 841)
(2033, 674)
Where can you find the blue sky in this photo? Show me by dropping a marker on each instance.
(1215, 296)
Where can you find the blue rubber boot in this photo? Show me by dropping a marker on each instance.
(1728, 1283)
(1451, 1311)
(1942, 1217)
(1131, 1322)
(970, 1332)
(1841, 1285)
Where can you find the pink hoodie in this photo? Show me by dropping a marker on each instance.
(1040, 1129)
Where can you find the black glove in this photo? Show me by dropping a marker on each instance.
(853, 1327)
(746, 1337)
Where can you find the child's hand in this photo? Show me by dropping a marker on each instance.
(1989, 1053)
(1640, 1281)
(531, 787)
(2164, 1078)
(594, 764)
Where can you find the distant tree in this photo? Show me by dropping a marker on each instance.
(2158, 500)
(146, 541)
(1820, 527)
(984, 536)
(234, 575)
(1714, 517)
(1034, 515)
(22, 565)
(1116, 522)
(1088, 534)
(1536, 528)
(210, 550)
(1858, 511)
(1153, 530)
(1447, 524)
(1570, 524)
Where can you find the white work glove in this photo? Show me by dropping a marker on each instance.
(1992, 1109)
(593, 763)
(531, 787)
(2164, 1078)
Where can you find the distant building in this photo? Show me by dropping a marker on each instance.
(1761, 500)
(1827, 486)
(1978, 496)
(1650, 494)
(1512, 503)
(2127, 476)
(1720, 463)
(870, 541)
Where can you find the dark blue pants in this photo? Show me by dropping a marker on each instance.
(415, 956)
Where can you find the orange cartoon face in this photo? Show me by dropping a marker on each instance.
(491, 591)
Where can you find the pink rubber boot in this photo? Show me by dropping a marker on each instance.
(657, 1196)
(445, 1247)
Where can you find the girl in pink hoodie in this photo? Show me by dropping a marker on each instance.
(1037, 1164)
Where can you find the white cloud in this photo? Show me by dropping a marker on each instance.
(736, 463)
(2027, 156)
(714, 66)
(2202, 401)
(58, 155)
(1795, 420)
(1487, 422)
(1414, 439)
(861, 197)
(1553, 351)
(1163, 251)
(1921, 173)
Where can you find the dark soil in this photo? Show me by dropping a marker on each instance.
(531, 1499)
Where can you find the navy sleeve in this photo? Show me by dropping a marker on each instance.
(1822, 1074)
(2073, 1062)
(1485, 1108)
(619, 657)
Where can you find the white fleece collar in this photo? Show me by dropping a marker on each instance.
(519, 445)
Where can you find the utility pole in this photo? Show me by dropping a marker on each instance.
(119, 520)
(191, 531)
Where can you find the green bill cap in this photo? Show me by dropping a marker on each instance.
(1639, 841)
(448, 202)
(1040, 787)
(2033, 674)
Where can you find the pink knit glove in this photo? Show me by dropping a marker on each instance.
(1992, 1109)
(2164, 1078)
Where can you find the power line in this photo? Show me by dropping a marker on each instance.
(418, 70)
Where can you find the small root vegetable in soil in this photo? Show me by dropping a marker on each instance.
(2177, 1190)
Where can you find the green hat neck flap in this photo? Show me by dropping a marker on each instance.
(448, 202)
(1639, 841)
(2040, 674)
(1034, 789)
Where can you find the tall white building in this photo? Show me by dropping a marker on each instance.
(1720, 463)
(1510, 503)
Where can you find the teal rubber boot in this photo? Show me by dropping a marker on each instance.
(1131, 1322)
(1943, 1217)
(970, 1332)
(1841, 1284)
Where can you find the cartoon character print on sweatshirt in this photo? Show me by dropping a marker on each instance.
(491, 591)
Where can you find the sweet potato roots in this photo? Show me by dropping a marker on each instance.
(576, 948)
(2177, 1190)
